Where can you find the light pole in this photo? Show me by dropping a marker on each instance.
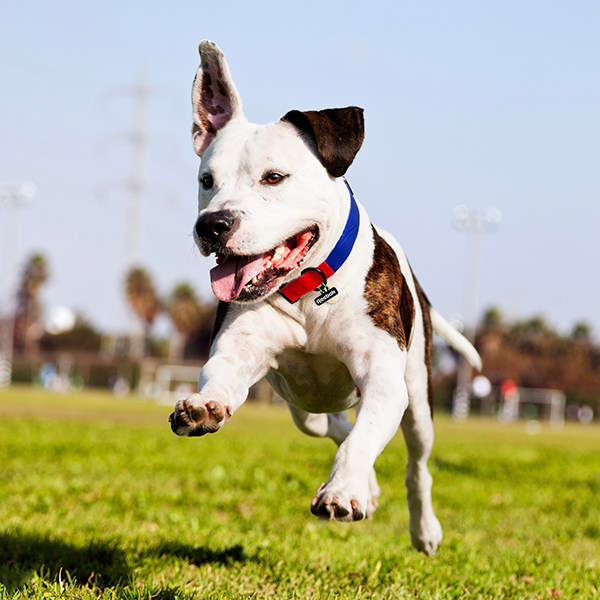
(475, 222)
(12, 196)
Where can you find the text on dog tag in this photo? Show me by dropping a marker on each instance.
(327, 294)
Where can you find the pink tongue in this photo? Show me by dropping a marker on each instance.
(229, 277)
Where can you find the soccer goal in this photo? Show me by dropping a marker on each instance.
(172, 382)
(534, 404)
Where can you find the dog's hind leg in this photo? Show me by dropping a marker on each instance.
(336, 426)
(417, 427)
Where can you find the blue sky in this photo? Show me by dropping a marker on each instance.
(483, 104)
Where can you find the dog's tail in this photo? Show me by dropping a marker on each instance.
(455, 339)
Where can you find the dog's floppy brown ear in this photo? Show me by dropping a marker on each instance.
(337, 133)
(215, 99)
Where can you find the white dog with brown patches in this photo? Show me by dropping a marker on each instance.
(312, 296)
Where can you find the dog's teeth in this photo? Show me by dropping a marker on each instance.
(279, 250)
(254, 280)
(268, 264)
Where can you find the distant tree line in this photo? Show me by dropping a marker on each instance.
(534, 354)
(530, 352)
(190, 316)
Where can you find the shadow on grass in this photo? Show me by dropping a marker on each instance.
(200, 555)
(452, 467)
(100, 564)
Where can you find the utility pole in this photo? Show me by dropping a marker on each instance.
(137, 139)
(139, 143)
(475, 222)
(12, 196)
(135, 183)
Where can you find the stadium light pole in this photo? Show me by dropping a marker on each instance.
(12, 196)
(475, 222)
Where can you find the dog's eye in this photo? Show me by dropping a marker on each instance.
(207, 181)
(272, 178)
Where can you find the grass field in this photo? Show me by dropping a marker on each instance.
(98, 499)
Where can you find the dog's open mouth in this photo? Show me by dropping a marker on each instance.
(246, 278)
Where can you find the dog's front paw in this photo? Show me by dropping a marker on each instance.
(335, 503)
(196, 416)
(425, 532)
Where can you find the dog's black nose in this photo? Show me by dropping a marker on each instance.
(215, 227)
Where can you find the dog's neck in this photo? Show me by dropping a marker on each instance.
(315, 278)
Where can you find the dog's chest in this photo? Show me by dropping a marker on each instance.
(315, 383)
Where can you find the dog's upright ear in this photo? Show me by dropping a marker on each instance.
(337, 133)
(215, 99)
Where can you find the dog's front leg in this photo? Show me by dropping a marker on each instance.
(336, 426)
(379, 376)
(240, 356)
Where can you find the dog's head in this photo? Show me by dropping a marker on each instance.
(265, 193)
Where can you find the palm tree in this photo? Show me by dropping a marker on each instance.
(142, 297)
(187, 313)
(28, 313)
(492, 317)
(582, 332)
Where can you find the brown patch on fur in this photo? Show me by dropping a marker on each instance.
(428, 333)
(337, 133)
(219, 319)
(391, 304)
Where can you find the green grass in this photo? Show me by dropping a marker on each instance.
(98, 499)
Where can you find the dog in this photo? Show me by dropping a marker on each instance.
(312, 296)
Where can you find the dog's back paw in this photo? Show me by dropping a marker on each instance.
(426, 535)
